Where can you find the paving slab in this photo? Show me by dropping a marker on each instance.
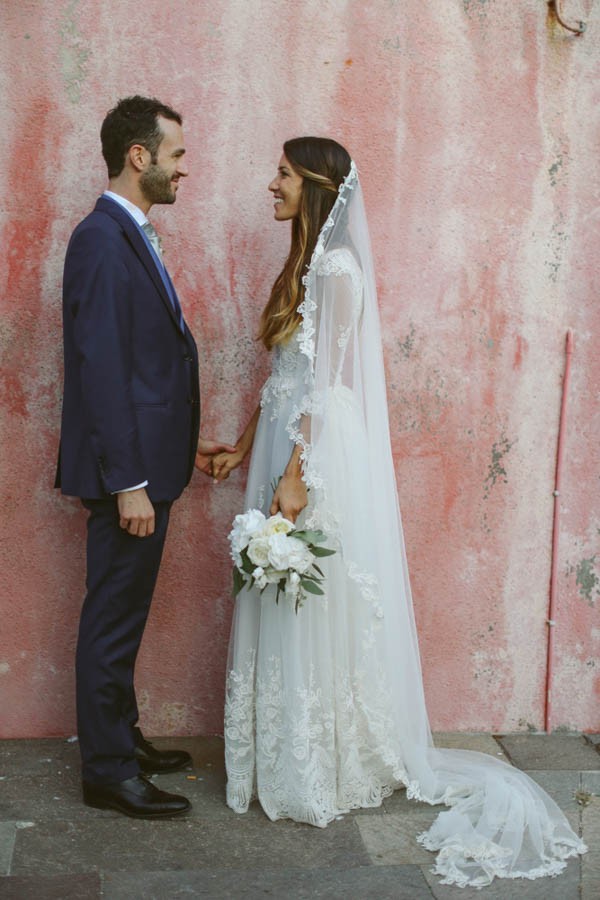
(46, 797)
(8, 836)
(563, 887)
(399, 803)
(58, 887)
(480, 742)
(550, 751)
(590, 782)
(128, 845)
(391, 840)
(43, 756)
(562, 786)
(381, 882)
(590, 862)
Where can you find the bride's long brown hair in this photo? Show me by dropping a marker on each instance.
(323, 165)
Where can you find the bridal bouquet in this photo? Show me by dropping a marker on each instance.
(271, 551)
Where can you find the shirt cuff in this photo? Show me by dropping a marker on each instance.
(136, 487)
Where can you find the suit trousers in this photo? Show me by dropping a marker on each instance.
(121, 575)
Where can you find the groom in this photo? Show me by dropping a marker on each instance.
(129, 439)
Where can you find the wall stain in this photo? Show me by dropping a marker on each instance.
(395, 45)
(415, 411)
(73, 54)
(554, 170)
(556, 247)
(587, 579)
(496, 470)
(406, 346)
(476, 5)
(531, 728)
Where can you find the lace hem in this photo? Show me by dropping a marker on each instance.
(493, 861)
(305, 810)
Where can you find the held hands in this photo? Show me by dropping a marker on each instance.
(136, 513)
(207, 452)
(224, 463)
(290, 498)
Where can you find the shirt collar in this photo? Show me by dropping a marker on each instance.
(134, 211)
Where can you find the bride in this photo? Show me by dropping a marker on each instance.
(325, 710)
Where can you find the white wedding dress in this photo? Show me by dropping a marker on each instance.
(325, 709)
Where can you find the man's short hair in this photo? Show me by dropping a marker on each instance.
(134, 120)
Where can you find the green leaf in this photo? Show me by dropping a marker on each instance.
(315, 566)
(310, 537)
(314, 578)
(238, 581)
(322, 551)
(311, 587)
(247, 564)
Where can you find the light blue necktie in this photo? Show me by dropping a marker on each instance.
(152, 235)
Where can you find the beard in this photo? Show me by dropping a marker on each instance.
(156, 186)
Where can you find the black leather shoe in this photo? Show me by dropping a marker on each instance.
(136, 797)
(155, 761)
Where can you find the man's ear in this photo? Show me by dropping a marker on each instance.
(138, 157)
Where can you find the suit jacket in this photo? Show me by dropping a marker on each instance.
(131, 404)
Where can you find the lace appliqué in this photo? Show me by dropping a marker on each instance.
(316, 754)
(239, 730)
(289, 367)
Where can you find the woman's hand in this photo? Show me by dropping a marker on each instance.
(290, 498)
(224, 463)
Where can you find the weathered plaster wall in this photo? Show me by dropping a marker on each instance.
(475, 125)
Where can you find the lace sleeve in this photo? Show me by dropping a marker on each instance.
(338, 316)
(329, 340)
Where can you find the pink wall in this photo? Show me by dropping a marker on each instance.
(475, 125)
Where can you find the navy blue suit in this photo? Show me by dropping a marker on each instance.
(131, 412)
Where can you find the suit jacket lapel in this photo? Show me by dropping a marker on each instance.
(140, 248)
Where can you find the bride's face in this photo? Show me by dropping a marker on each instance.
(286, 188)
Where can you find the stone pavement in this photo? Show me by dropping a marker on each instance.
(54, 848)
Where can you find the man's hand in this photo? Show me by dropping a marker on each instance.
(136, 513)
(290, 498)
(205, 452)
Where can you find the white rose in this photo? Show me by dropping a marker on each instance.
(292, 585)
(244, 527)
(277, 525)
(289, 553)
(259, 577)
(258, 551)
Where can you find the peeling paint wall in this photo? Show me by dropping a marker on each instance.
(476, 126)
